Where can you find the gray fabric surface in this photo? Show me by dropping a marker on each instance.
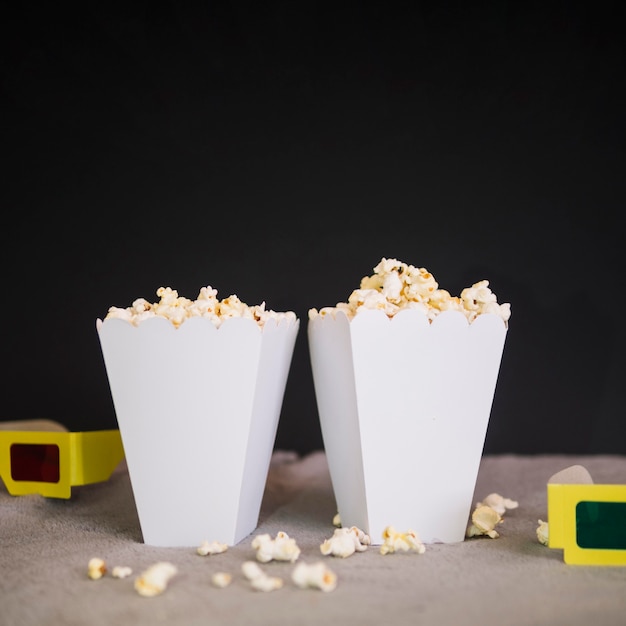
(46, 545)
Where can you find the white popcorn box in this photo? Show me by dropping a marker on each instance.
(198, 409)
(404, 406)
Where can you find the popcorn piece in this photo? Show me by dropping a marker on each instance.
(484, 521)
(177, 309)
(498, 503)
(282, 548)
(214, 547)
(96, 568)
(542, 532)
(266, 583)
(316, 575)
(259, 580)
(345, 542)
(221, 579)
(121, 571)
(337, 520)
(155, 579)
(361, 536)
(251, 570)
(395, 286)
(395, 541)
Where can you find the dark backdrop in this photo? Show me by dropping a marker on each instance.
(278, 151)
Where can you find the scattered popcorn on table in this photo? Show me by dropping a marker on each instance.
(259, 580)
(214, 547)
(395, 286)
(121, 571)
(155, 579)
(177, 309)
(395, 541)
(498, 503)
(345, 541)
(484, 521)
(315, 575)
(282, 548)
(221, 579)
(96, 568)
(542, 532)
(337, 520)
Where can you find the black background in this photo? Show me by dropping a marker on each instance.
(279, 150)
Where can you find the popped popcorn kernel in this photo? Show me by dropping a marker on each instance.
(209, 548)
(259, 580)
(96, 568)
(345, 542)
(251, 569)
(281, 548)
(121, 571)
(394, 541)
(484, 522)
(542, 532)
(498, 503)
(337, 520)
(395, 286)
(177, 309)
(221, 579)
(315, 575)
(154, 580)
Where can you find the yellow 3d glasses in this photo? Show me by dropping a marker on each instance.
(41, 456)
(585, 520)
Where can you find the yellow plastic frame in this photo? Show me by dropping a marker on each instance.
(84, 458)
(562, 502)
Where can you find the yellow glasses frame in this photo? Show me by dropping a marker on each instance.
(83, 457)
(564, 498)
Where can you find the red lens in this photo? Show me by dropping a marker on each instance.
(35, 462)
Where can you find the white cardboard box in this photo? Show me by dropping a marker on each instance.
(404, 406)
(198, 409)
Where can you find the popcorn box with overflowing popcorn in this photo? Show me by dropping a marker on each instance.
(197, 388)
(405, 376)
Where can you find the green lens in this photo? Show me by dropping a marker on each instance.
(601, 525)
(35, 462)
